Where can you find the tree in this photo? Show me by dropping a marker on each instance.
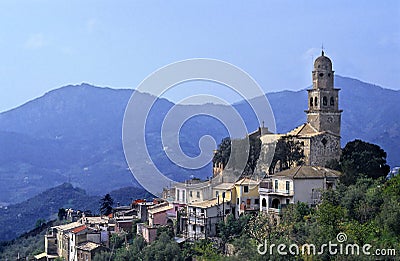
(106, 205)
(254, 154)
(164, 248)
(223, 152)
(289, 152)
(232, 227)
(40, 222)
(360, 159)
(62, 214)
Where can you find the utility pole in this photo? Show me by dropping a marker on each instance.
(223, 206)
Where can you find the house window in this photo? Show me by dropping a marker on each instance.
(248, 202)
(256, 201)
(202, 210)
(311, 102)
(287, 186)
(202, 229)
(287, 201)
(246, 189)
(198, 194)
(332, 101)
(216, 193)
(276, 185)
(183, 196)
(177, 195)
(190, 194)
(316, 101)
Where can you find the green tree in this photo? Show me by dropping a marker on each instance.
(223, 152)
(289, 152)
(362, 159)
(62, 214)
(40, 222)
(106, 205)
(102, 256)
(164, 248)
(232, 227)
(202, 249)
(254, 154)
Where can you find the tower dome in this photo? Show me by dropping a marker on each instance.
(323, 63)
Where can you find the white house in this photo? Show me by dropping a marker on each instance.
(302, 183)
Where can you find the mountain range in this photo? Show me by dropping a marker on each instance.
(45, 206)
(73, 134)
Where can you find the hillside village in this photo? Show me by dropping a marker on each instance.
(193, 209)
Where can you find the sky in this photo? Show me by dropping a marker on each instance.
(48, 44)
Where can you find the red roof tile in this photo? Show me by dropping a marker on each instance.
(79, 229)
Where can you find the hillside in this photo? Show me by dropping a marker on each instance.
(73, 134)
(46, 204)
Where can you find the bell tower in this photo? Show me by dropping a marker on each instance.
(323, 99)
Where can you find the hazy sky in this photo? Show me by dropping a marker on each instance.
(48, 44)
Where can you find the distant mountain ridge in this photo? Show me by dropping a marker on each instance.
(74, 134)
(46, 205)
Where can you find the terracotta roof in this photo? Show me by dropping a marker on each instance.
(78, 229)
(308, 172)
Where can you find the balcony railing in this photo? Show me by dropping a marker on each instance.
(282, 192)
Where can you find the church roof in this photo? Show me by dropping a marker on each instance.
(303, 130)
(323, 63)
(306, 130)
(308, 172)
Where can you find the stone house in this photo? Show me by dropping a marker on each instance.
(299, 184)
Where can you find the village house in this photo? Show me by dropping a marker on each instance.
(163, 214)
(87, 250)
(245, 197)
(299, 184)
(201, 218)
(64, 240)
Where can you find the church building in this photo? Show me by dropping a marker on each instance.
(320, 135)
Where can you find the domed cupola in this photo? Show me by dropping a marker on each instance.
(323, 63)
(323, 73)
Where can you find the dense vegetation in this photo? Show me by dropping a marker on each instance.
(361, 159)
(26, 245)
(367, 212)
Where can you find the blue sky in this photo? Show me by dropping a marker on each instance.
(48, 44)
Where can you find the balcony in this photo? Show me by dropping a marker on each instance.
(280, 192)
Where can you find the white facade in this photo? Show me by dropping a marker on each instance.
(203, 217)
